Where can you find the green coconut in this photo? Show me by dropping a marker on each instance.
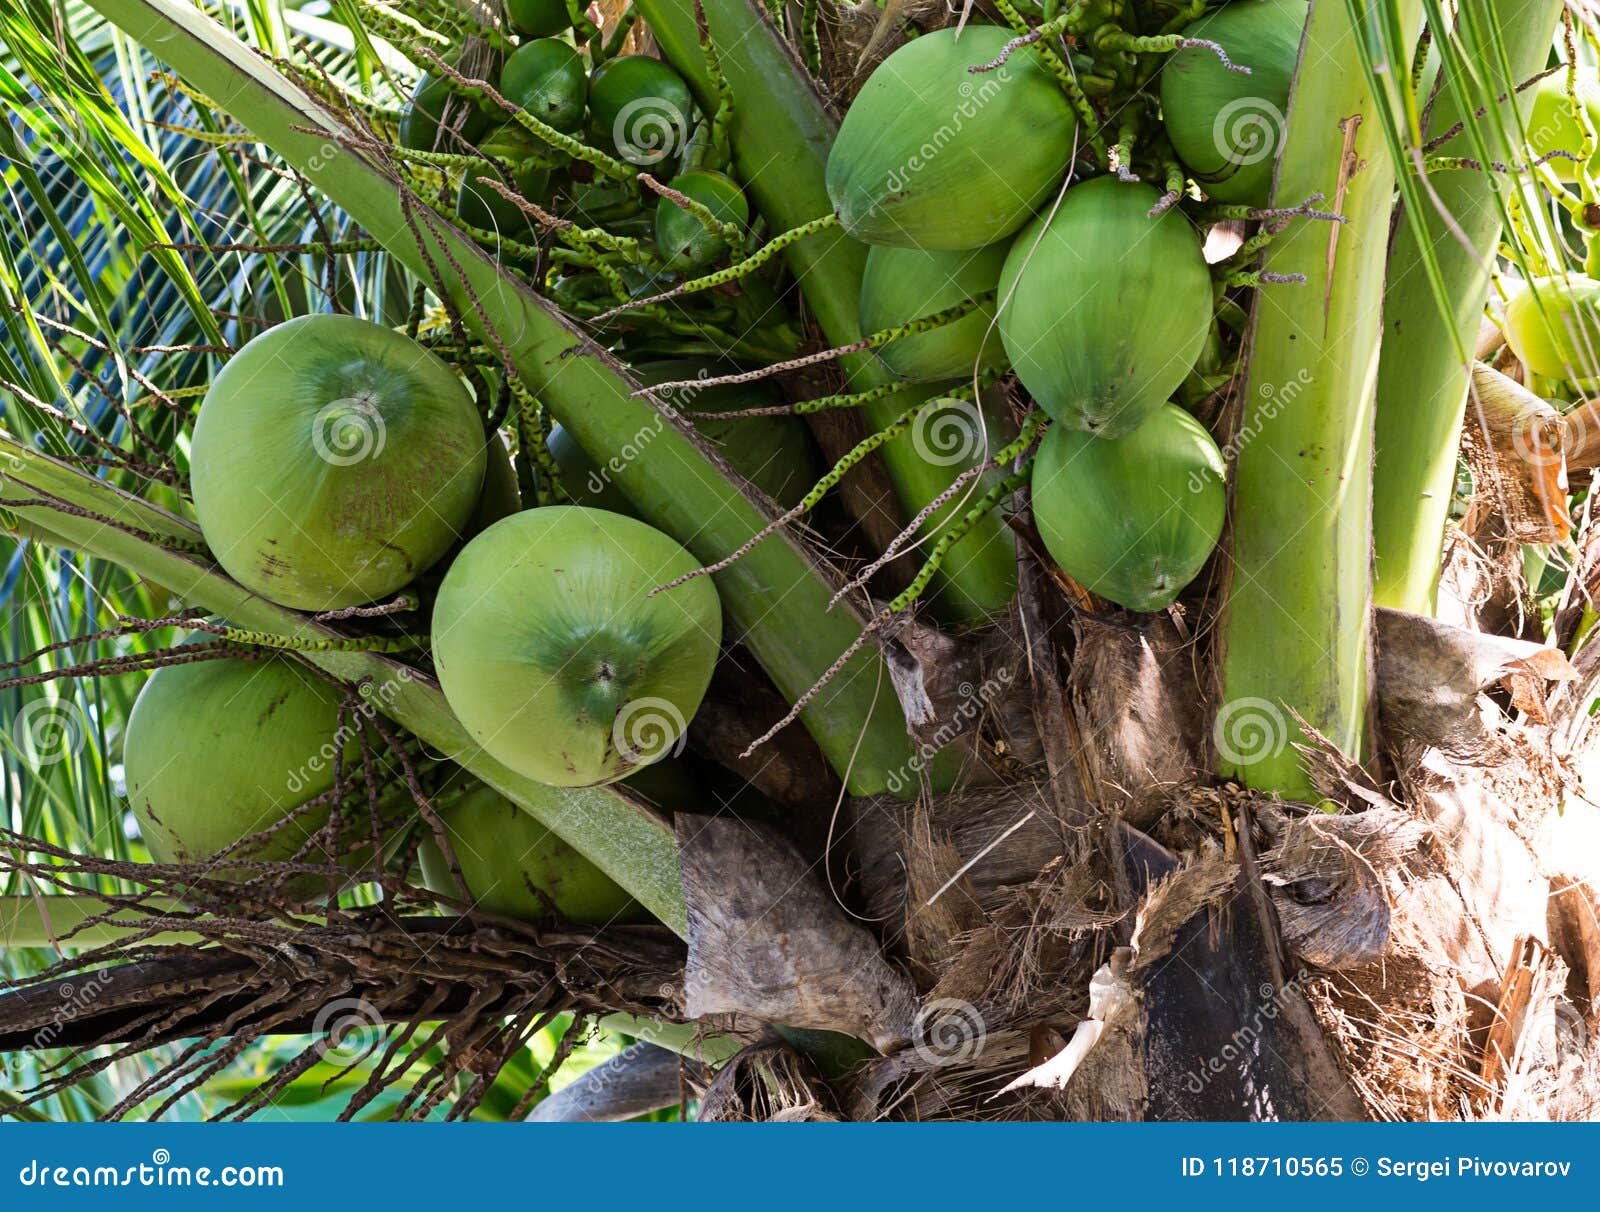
(1226, 126)
(681, 238)
(481, 206)
(554, 658)
(641, 108)
(549, 80)
(1132, 519)
(932, 156)
(904, 284)
(515, 867)
(333, 460)
(218, 751)
(1553, 126)
(1105, 310)
(430, 100)
(1553, 326)
(538, 18)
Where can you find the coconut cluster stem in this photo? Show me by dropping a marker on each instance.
(1296, 634)
(777, 105)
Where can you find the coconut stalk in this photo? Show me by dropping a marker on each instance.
(1424, 369)
(777, 106)
(624, 838)
(776, 596)
(1296, 631)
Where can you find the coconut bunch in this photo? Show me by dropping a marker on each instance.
(1035, 200)
(342, 468)
(591, 172)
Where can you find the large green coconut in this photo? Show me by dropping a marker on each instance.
(1553, 124)
(640, 108)
(933, 156)
(334, 460)
(554, 658)
(1227, 127)
(1553, 326)
(1132, 519)
(515, 867)
(904, 284)
(1103, 309)
(217, 751)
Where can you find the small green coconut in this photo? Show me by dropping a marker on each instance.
(553, 656)
(1104, 310)
(1132, 519)
(333, 461)
(218, 751)
(1553, 326)
(1228, 127)
(549, 80)
(640, 108)
(933, 156)
(515, 867)
(686, 242)
(1553, 128)
(538, 18)
(904, 284)
(482, 206)
(434, 99)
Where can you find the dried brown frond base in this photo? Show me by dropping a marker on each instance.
(434, 1005)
